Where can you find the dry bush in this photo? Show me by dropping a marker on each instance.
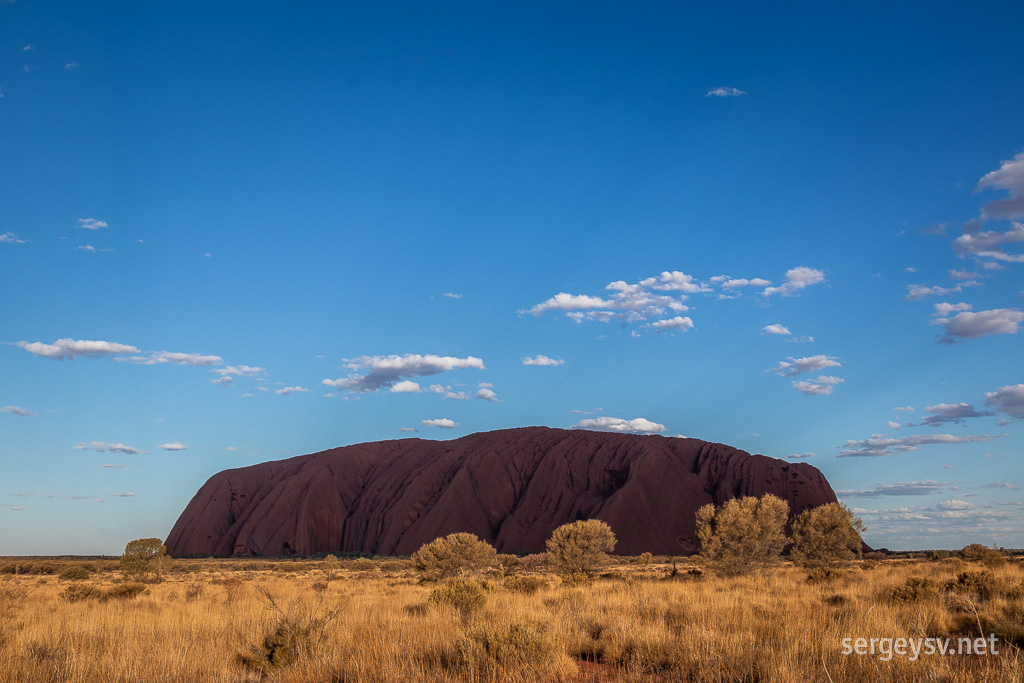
(577, 550)
(125, 591)
(465, 596)
(75, 573)
(743, 535)
(515, 651)
(525, 583)
(452, 555)
(914, 589)
(79, 592)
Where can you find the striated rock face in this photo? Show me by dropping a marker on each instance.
(511, 487)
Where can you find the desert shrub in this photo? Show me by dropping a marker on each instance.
(453, 555)
(513, 651)
(391, 566)
(824, 575)
(973, 552)
(874, 555)
(144, 557)
(465, 596)
(79, 592)
(645, 559)
(743, 535)
(524, 583)
(914, 589)
(193, 592)
(826, 535)
(580, 548)
(75, 573)
(296, 632)
(994, 559)
(125, 591)
(233, 589)
(982, 585)
(362, 564)
(938, 555)
(506, 564)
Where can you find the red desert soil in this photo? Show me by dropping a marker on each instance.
(510, 487)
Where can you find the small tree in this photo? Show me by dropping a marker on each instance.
(452, 555)
(826, 536)
(581, 547)
(742, 535)
(144, 556)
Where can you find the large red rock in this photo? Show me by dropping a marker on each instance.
(511, 487)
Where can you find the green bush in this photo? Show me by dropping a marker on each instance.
(75, 573)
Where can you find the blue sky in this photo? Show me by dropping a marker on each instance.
(241, 232)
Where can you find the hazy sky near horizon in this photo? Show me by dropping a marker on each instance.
(236, 232)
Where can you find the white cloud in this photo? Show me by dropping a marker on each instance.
(895, 425)
(637, 425)
(452, 295)
(776, 328)
(70, 65)
(743, 282)
(173, 446)
(91, 224)
(487, 394)
(159, 357)
(443, 422)
(918, 292)
(955, 505)
(239, 370)
(800, 456)
(877, 445)
(73, 348)
(904, 409)
(1008, 399)
(968, 325)
(926, 487)
(231, 449)
(963, 275)
(290, 390)
(724, 91)
(1010, 177)
(674, 281)
(405, 387)
(796, 280)
(797, 366)
(990, 243)
(15, 410)
(679, 323)
(944, 413)
(223, 381)
(11, 238)
(821, 386)
(407, 429)
(944, 309)
(543, 360)
(101, 447)
(384, 371)
(438, 388)
(112, 467)
(458, 395)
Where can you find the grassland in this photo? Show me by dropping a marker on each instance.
(299, 621)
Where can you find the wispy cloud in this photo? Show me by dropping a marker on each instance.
(926, 487)
(796, 366)
(239, 370)
(10, 237)
(820, 386)
(15, 410)
(946, 413)
(918, 292)
(776, 328)
(543, 360)
(676, 324)
(724, 91)
(1009, 177)
(638, 425)
(173, 446)
(800, 456)
(384, 371)
(453, 295)
(91, 224)
(877, 445)
(101, 447)
(990, 244)
(284, 391)
(158, 357)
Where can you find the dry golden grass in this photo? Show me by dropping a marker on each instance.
(213, 621)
